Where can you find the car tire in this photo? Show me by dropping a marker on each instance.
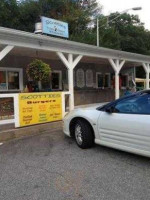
(83, 134)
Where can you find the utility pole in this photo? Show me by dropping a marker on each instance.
(98, 32)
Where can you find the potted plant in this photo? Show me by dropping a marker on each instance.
(38, 71)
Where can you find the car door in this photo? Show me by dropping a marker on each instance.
(128, 124)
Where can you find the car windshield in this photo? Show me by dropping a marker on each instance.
(139, 104)
(102, 107)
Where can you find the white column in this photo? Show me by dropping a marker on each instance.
(71, 89)
(117, 93)
(70, 82)
(147, 80)
(146, 67)
(116, 65)
(70, 63)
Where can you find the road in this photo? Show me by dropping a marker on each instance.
(52, 167)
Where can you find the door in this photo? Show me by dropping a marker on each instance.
(56, 80)
(128, 125)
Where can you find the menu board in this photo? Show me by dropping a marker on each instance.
(37, 108)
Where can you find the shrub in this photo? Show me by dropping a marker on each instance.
(37, 70)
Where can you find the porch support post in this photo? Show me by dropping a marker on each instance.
(117, 65)
(70, 63)
(146, 67)
(70, 82)
(5, 51)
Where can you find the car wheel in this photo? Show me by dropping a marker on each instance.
(83, 134)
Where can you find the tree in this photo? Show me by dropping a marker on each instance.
(132, 33)
(29, 14)
(108, 36)
(23, 14)
(87, 36)
(69, 11)
(126, 32)
(9, 13)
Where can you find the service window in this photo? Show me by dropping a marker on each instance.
(56, 78)
(11, 79)
(99, 80)
(3, 83)
(125, 81)
(107, 80)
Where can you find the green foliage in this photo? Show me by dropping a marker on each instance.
(38, 70)
(124, 32)
(87, 36)
(132, 33)
(9, 13)
(69, 11)
(29, 14)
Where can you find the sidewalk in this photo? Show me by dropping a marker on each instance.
(9, 132)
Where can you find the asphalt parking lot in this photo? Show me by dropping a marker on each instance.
(52, 167)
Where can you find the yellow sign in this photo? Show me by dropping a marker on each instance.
(36, 108)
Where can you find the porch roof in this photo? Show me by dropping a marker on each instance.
(46, 43)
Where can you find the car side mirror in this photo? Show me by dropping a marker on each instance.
(110, 109)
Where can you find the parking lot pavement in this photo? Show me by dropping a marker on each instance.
(52, 167)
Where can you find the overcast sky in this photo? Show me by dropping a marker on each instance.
(120, 5)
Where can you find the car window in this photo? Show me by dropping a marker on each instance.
(134, 105)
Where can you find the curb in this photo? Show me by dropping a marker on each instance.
(29, 131)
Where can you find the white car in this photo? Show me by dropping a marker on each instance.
(122, 124)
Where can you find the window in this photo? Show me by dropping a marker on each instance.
(107, 80)
(125, 81)
(56, 80)
(134, 105)
(99, 80)
(11, 79)
(3, 84)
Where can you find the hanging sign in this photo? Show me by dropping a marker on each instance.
(36, 108)
(54, 27)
